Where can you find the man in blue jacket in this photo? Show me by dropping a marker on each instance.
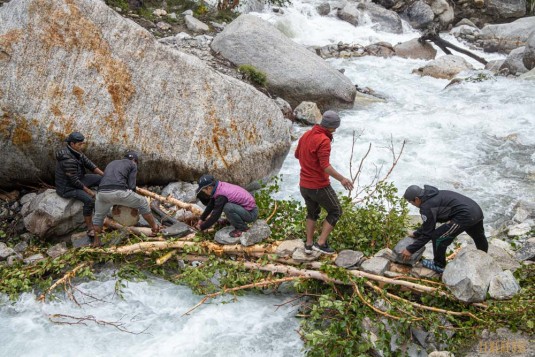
(458, 213)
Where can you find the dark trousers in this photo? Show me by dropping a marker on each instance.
(324, 197)
(444, 235)
(239, 216)
(90, 180)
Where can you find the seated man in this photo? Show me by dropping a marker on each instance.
(237, 203)
(71, 179)
(458, 213)
(118, 188)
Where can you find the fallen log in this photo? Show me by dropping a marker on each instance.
(444, 45)
(190, 207)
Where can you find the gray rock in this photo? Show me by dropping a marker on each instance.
(169, 105)
(188, 12)
(527, 251)
(529, 53)
(419, 14)
(195, 25)
(503, 286)
(518, 229)
(416, 50)
(375, 265)
(386, 253)
(422, 272)
(80, 240)
(383, 19)
(183, 191)
(48, 214)
(20, 247)
(288, 247)
(285, 108)
(13, 259)
(308, 113)
(528, 76)
(34, 258)
(300, 256)
(293, 72)
(468, 276)
(441, 354)
(349, 13)
(57, 250)
(506, 37)
(504, 260)
(402, 244)
(466, 22)
(222, 236)
(5, 251)
(258, 231)
(27, 198)
(513, 63)
(348, 258)
(445, 67)
(494, 65)
(443, 12)
(323, 9)
(505, 9)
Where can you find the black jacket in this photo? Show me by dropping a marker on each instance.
(444, 206)
(70, 168)
(119, 175)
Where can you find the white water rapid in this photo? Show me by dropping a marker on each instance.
(476, 138)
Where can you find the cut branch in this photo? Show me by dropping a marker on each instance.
(64, 280)
(188, 206)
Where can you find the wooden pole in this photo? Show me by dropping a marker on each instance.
(190, 207)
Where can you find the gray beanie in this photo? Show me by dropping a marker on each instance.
(330, 119)
(412, 192)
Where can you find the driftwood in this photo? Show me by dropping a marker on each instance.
(64, 280)
(444, 45)
(188, 206)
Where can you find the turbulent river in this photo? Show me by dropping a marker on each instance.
(476, 138)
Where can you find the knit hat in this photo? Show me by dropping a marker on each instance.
(204, 181)
(412, 192)
(75, 137)
(132, 155)
(330, 119)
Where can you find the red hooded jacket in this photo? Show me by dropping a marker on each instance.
(313, 152)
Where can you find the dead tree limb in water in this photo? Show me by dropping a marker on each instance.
(444, 45)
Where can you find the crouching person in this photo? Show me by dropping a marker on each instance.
(237, 203)
(117, 187)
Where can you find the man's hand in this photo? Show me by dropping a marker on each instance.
(406, 254)
(348, 185)
(156, 228)
(90, 192)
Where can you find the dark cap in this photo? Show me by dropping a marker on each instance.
(204, 181)
(132, 155)
(330, 119)
(412, 192)
(75, 137)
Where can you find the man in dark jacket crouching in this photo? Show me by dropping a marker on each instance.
(71, 178)
(458, 213)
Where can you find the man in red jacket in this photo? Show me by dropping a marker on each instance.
(313, 152)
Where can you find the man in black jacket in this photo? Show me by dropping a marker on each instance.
(71, 178)
(458, 213)
(118, 187)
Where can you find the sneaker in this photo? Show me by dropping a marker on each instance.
(429, 264)
(325, 249)
(308, 249)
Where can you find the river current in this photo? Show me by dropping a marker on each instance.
(476, 138)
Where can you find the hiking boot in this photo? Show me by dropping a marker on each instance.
(325, 249)
(237, 233)
(308, 249)
(429, 264)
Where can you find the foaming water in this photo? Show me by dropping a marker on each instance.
(151, 312)
(476, 138)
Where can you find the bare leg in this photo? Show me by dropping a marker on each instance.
(309, 229)
(89, 223)
(150, 220)
(325, 231)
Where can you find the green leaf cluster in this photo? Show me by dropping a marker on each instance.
(253, 75)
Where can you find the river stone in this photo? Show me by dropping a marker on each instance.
(513, 63)
(222, 236)
(87, 68)
(308, 113)
(504, 260)
(445, 67)
(416, 50)
(402, 244)
(348, 258)
(375, 265)
(293, 72)
(323, 9)
(300, 256)
(125, 216)
(518, 229)
(258, 231)
(383, 19)
(34, 258)
(468, 276)
(441, 354)
(503, 286)
(349, 13)
(423, 272)
(386, 253)
(285, 108)
(195, 25)
(419, 14)
(528, 76)
(12, 259)
(50, 215)
(443, 12)
(80, 239)
(5, 251)
(529, 53)
(288, 247)
(506, 9)
(57, 250)
(182, 191)
(506, 37)
(527, 251)
(27, 198)
(20, 247)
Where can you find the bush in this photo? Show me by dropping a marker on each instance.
(253, 75)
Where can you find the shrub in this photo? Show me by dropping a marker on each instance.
(253, 75)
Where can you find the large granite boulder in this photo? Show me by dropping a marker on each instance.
(416, 50)
(419, 14)
(529, 52)
(293, 72)
(513, 63)
(468, 276)
(445, 67)
(503, 286)
(383, 19)
(49, 215)
(505, 9)
(70, 65)
(506, 37)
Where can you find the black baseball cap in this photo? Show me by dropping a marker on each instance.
(204, 181)
(132, 155)
(75, 137)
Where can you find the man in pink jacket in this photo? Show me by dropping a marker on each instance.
(237, 203)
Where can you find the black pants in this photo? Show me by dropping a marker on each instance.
(325, 197)
(444, 235)
(90, 180)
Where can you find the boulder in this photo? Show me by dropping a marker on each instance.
(323, 9)
(183, 191)
(529, 52)
(503, 286)
(443, 12)
(468, 276)
(258, 231)
(293, 72)
(383, 19)
(308, 113)
(349, 13)
(527, 251)
(416, 50)
(504, 260)
(380, 49)
(57, 250)
(87, 68)
(49, 215)
(505, 9)
(419, 14)
(402, 244)
(300, 256)
(528, 76)
(518, 230)
(375, 265)
(506, 37)
(288, 247)
(6, 251)
(445, 67)
(195, 25)
(514, 62)
(348, 258)
(285, 108)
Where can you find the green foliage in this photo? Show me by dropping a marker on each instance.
(122, 4)
(253, 75)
